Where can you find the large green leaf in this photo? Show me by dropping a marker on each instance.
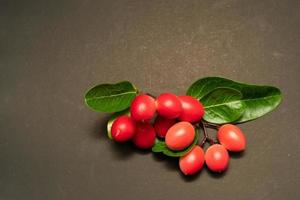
(113, 118)
(160, 146)
(258, 100)
(111, 97)
(223, 105)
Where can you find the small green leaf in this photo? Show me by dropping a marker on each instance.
(160, 146)
(258, 100)
(223, 105)
(111, 97)
(112, 119)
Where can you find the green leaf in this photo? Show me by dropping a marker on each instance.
(160, 146)
(111, 97)
(223, 105)
(112, 119)
(258, 100)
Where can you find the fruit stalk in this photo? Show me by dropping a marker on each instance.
(206, 137)
(211, 125)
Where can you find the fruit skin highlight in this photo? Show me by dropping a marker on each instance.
(180, 136)
(123, 128)
(162, 125)
(217, 158)
(192, 162)
(144, 137)
(192, 109)
(143, 108)
(168, 105)
(232, 138)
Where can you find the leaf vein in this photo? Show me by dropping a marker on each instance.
(114, 95)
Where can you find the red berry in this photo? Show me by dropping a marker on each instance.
(168, 105)
(143, 107)
(217, 158)
(232, 138)
(192, 109)
(162, 125)
(145, 136)
(192, 162)
(180, 136)
(123, 128)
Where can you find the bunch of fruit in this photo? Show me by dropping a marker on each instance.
(171, 124)
(175, 120)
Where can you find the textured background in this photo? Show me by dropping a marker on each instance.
(53, 147)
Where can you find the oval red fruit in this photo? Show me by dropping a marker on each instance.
(123, 128)
(142, 107)
(180, 136)
(192, 162)
(192, 109)
(168, 105)
(217, 158)
(232, 138)
(144, 137)
(162, 125)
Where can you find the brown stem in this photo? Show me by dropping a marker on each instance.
(211, 125)
(151, 95)
(206, 137)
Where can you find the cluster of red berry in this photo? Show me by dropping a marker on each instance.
(175, 122)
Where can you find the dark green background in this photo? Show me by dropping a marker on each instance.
(53, 147)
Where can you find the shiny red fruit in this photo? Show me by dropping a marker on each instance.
(168, 105)
(145, 136)
(192, 109)
(180, 136)
(217, 158)
(232, 138)
(123, 128)
(162, 125)
(192, 162)
(143, 107)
